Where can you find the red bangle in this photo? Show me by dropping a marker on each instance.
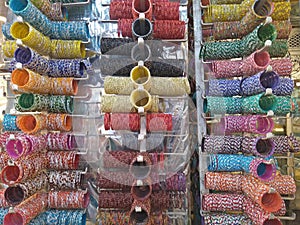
(120, 9)
(143, 191)
(169, 29)
(166, 11)
(63, 160)
(137, 8)
(68, 199)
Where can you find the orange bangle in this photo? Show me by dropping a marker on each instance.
(31, 124)
(64, 86)
(59, 122)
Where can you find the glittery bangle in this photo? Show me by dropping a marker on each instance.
(279, 48)
(285, 87)
(58, 122)
(284, 144)
(27, 210)
(10, 123)
(9, 47)
(4, 136)
(140, 166)
(168, 29)
(261, 194)
(62, 49)
(173, 86)
(60, 141)
(235, 49)
(223, 181)
(223, 105)
(3, 202)
(282, 11)
(27, 102)
(141, 192)
(238, 29)
(63, 160)
(251, 124)
(138, 8)
(31, 124)
(221, 144)
(32, 15)
(52, 11)
(60, 104)
(71, 30)
(4, 159)
(68, 199)
(26, 168)
(120, 9)
(285, 105)
(283, 184)
(166, 11)
(258, 146)
(262, 169)
(19, 146)
(223, 87)
(259, 104)
(283, 28)
(6, 31)
(259, 83)
(65, 180)
(18, 193)
(113, 45)
(283, 66)
(142, 215)
(223, 202)
(226, 219)
(256, 62)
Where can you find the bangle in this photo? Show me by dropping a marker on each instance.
(214, 144)
(142, 215)
(28, 102)
(63, 86)
(4, 159)
(284, 28)
(223, 202)
(260, 104)
(58, 12)
(68, 199)
(226, 219)
(282, 11)
(6, 31)
(62, 49)
(32, 15)
(259, 83)
(223, 87)
(31, 124)
(125, 28)
(10, 123)
(65, 180)
(283, 184)
(52, 11)
(120, 10)
(285, 105)
(19, 146)
(63, 160)
(139, 32)
(60, 104)
(285, 87)
(60, 141)
(4, 136)
(9, 47)
(223, 105)
(283, 66)
(279, 48)
(18, 193)
(141, 192)
(26, 168)
(223, 181)
(166, 11)
(140, 166)
(258, 146)
(137, 9)
(28, 209)
(119, 200)
(118, 159)
(262, 169)
(70, 30)
(3, 202)
(168, 29)
(284, 144)
(58, 122)
(261, 194)
(114, 45)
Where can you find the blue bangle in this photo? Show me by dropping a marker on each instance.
(71, 30)
(223, 87)
(6, 31)
(10, 123)
(230, 163)
(285, 86)
(32, 15)
(259, 83)
(3, 212)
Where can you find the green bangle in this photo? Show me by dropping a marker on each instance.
(285, 105)
(61, 104)
(28, 102)
(259, 104)
(222, 105)
(279, 48)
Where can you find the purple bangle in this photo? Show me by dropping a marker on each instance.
(285, 86)
(250, 124)
(262, 169)
(222, 144)
(258, 146)
(284, 144)
(223, 87)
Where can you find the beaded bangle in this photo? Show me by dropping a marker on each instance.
(32, 15)
(256, 62)
(120, 10)
(71, 30)
(283, 66)
(166, 11)
(258, 146)
(10, 123)
(74, 217)
(138, 8)
(26, 168)
(260, 104)
(238, 29)
(3, 202)
(9, 47)
(142, 216)
(27, 210)
(60, 104)
(63, 160)
(173, 86)
(259, 83)
(31, 124)
(261, 194)
(169, 29)
(123, 104)
(251, 124)
(64, 180)
(61, 49)
(221, 144)
(68, 199)
(223, 202)
(6, 31)
(60, 141)
(223, 87)
(285, 87)
(109, 199)
(226, 219)
(244, 47)
(16, 194)
(223, 105)
(52, 11)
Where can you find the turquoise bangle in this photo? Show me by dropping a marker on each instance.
(259, 104)
(285, 105)
(223, 105)
(279, 48)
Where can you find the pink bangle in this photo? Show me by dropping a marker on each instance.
(60, 141)
(223, 181)
(222, 202)
(262, 169)
(68, 199)
(283, 184)
(283, 66)
(168, 29)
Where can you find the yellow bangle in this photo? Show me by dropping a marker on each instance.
(62, 49)
(282, 11)
(9, 47)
